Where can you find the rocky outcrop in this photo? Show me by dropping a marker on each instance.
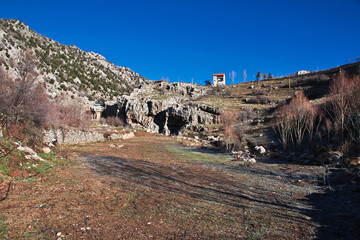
(165, 116)
(182, 91)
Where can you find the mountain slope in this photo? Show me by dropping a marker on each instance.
(65, 70)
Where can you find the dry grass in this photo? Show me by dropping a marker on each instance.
(163, 191)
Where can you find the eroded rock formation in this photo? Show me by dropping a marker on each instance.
(166, 116)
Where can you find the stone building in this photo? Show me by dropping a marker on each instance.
(302, 72)
(219, 79)
(96, 110)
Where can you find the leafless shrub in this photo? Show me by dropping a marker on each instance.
(259, 99)
(230, 139)
(323, 77)
(114, 121)
(234, 125)
(296, 119)
(23, 102)
(258, 91)
(228, 118)
(216, 89)
(246, 115)
(344, 107)
(265, 99)
(68, 113)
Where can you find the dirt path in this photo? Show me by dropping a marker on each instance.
(153, 187)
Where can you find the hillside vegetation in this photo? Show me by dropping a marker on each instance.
(65, 69)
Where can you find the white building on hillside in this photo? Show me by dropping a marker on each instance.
(219, 79)
(302, 72)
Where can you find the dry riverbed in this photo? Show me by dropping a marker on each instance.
(151, 186)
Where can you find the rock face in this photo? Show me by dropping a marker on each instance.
(182, 91)
(166, 116)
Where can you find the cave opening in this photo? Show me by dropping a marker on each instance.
(175, 124)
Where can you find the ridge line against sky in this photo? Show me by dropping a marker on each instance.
(181, 40)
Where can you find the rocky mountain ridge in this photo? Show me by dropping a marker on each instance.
(65, 70)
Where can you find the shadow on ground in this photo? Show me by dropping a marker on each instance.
(337, 210)
(201, 184)
(245, 187)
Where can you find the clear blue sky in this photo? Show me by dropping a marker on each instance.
(197, 38)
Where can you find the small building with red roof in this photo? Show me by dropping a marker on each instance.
(219, 79)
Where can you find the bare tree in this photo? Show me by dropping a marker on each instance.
(296, 119)
(68, 113)
(23, 102)
(232, 75)
(244, 75)
(231, 139)
(340, 90)
(283, 126)
(344, 106)
(304, 115)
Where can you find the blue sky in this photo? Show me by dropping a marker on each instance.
(197, 38)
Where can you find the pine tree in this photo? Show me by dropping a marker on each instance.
(264, 75)
(258, 76)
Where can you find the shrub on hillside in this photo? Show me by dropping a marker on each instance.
(296, 119)
(246, 115)
(233, 125)
(114, 121)
(64, 113)
(259, 99)
(231, 140)
(343, 108)
(258, 91)
(25, 108)
(23, 102)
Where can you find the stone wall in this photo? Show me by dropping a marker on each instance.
(63, 136)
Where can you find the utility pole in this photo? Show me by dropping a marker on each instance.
(192, 80)
(289, 83)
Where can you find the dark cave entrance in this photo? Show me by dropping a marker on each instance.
(175, 123)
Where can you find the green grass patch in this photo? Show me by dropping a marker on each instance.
(4, 166)
(198, 155)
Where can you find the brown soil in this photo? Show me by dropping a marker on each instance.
(151, 186)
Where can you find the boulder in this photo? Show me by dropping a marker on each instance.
(240, 156)
(31, 154)
(260, 149)
(46, 150)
